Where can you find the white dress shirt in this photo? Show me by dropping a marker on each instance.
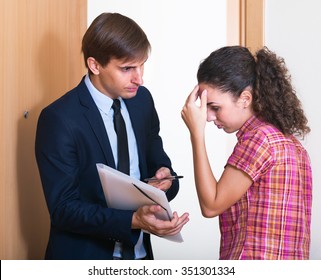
(104, 104)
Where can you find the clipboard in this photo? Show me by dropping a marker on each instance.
(126, 193)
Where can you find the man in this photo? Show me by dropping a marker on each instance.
(77, 131)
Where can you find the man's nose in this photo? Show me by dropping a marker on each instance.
(137, 77)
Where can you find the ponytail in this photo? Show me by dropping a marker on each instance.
(274, 98)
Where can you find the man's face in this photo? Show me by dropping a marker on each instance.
(119, 78)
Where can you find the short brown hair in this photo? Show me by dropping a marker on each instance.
(112, 35)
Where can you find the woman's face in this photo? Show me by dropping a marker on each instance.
(224, 110)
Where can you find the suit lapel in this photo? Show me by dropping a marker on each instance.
(94, 118)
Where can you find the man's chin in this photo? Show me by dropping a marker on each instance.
(129, 95)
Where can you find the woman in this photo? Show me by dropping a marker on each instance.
(264, 195)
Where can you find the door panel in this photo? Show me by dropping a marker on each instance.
(40, 60)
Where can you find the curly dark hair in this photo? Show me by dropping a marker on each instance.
(233, 69)
(275, 99)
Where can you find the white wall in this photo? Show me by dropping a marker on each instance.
(293, 30)
(182, 33)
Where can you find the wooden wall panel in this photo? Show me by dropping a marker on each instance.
(245, 23)
(233, 22)
(253, 24)
(40, 60)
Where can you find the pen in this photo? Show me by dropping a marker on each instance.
(166, 178)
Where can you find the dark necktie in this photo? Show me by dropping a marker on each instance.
(122, 142)
(123, 159)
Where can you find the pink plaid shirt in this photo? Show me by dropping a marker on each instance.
(272, 219)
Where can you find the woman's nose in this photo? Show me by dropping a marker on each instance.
(211, 117)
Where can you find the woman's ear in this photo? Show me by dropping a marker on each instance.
(93, 65)
(246, 98)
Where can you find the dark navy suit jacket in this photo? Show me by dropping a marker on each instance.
(70, 140)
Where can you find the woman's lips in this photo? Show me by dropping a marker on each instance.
(219, 126)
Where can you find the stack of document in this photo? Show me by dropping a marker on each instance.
(126, 193)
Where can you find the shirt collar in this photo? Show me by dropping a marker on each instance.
(252, 123)
(102, 101)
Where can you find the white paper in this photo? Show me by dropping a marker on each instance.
(126, 193)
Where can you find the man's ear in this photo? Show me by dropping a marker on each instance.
(93, 65)
(246, 98)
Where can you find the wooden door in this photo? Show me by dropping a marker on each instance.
(40, 60)
(245, 23)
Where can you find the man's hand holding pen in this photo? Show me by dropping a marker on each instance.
(162, 179)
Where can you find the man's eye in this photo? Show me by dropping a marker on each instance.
(125, 69)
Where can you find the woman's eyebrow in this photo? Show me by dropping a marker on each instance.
(212, 103)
